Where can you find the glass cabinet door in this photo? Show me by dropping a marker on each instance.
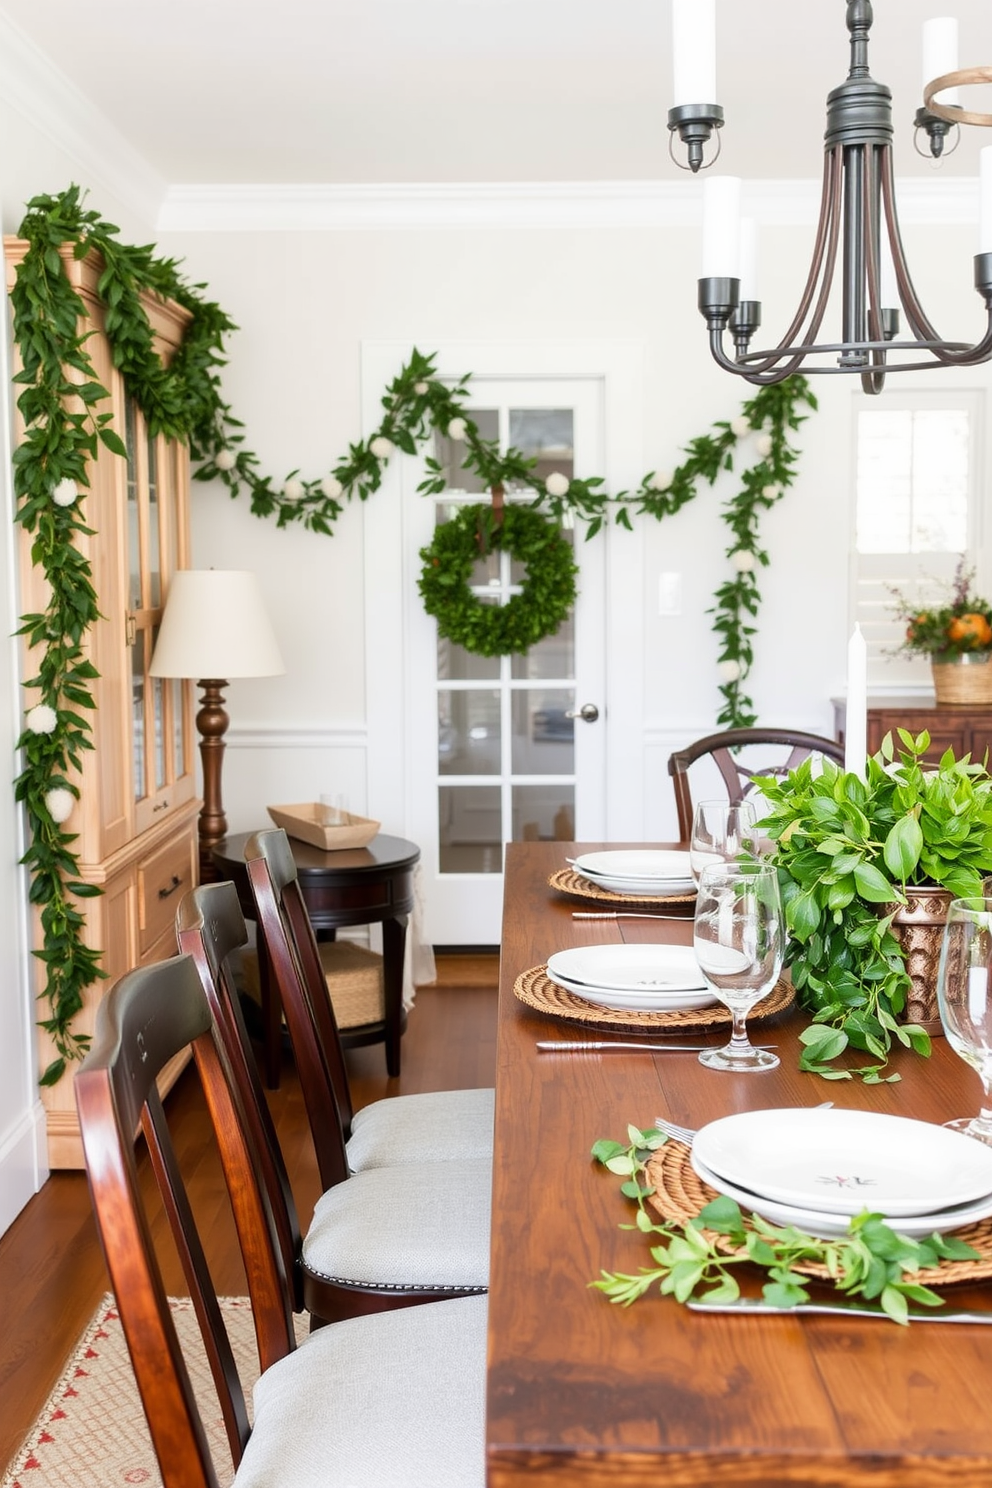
(162, 710)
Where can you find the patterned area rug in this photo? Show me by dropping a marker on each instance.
(92, 1432)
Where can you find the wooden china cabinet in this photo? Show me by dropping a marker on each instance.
(966, 728)
(136, 817)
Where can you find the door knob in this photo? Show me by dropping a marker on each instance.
(588, 713)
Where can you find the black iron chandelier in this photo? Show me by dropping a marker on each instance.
(857, 220)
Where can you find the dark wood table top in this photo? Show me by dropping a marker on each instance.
(582, 1392)
(383, 854)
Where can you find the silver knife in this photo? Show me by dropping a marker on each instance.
(751, 1307)
(566, 1047)
(641, 914)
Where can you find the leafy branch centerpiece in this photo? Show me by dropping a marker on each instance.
(850, 853)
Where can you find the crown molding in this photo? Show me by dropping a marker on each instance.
(521, 204)
(33, 87)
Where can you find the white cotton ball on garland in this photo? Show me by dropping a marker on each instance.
(729, 671)
(763, 444)
(739, 426)
(59, 803)
(292, 490)
(743, 560)
(421, 388)
(772, 492)
(661, 480)
(331, 487)
(557, 484)
(41, 719)
(381, 447)
(225, 459)
(65, 492)
(456, 428)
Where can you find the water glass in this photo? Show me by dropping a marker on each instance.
(721, 832)
(964, 994)
(738, 941)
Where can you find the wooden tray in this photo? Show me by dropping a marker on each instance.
(537, 990)
(303, 823)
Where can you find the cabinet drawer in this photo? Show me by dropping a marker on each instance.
(163, 879)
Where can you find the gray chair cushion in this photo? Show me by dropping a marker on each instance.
(395, 1400)
(442, 1126)
(423, 1225)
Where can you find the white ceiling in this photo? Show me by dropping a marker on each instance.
(345, 91)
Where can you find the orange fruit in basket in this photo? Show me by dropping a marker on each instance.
(974, 629)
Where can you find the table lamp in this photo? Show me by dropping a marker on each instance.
(214, 627)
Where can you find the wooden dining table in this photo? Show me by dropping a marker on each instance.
(582, 1392)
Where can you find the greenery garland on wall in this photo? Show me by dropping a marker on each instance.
(63, 428)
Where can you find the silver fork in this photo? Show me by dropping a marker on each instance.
(686, 1133)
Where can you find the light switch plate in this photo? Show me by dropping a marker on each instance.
(669, 593)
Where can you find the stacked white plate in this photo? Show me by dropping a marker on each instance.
(817, 1168)
(643, 872)
(633, 978)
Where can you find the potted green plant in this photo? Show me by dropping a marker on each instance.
(957, 638)
(851, 856)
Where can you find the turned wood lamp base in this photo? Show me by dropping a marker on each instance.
(211, 723)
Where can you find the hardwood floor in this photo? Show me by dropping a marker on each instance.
(51, 1271)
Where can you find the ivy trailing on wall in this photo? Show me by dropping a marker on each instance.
(59, 402)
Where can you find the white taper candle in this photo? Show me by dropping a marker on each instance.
(749, 259)
(693, 51)
(985, 200)
(721, 227)
(940, 54)
(856, 727)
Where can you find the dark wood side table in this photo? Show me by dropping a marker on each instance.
(964, 727)
(356, 886)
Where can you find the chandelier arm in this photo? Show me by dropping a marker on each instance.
(827, 231)
(870, 200)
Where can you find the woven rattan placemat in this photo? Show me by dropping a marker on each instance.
(568, 882)
(537, 990)
(679, 1195)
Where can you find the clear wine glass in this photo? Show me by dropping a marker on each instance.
(964, 993)
(738, 941)
(721, 832)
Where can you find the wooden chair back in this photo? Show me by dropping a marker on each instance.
(211, 929)
(149, 1016)
(736, 776)
(294, 966)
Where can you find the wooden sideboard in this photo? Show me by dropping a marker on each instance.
(964, 728)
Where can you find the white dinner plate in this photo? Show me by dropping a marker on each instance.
(630, 968)
(650, 864)
(643, 888)
(825, 1226)
(626, 1001)
(842, 1162)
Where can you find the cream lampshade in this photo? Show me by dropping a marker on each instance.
(214, 628)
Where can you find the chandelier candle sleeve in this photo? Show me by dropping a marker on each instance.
(856, 728)
(721, 227)
(694, 51)
(985, 200)
(940, 54)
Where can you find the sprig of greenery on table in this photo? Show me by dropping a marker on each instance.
(871, 1261)
(846, 851)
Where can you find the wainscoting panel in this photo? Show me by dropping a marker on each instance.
(265, 766)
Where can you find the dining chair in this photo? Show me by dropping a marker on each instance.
(738, 777)
(380, 1239)
(389, 1401)
(435, 1126)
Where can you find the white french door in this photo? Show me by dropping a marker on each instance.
(500, 751)
(467, 753)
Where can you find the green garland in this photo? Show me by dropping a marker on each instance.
(59, 404)
(546, 596)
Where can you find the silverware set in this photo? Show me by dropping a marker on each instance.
(615, 914)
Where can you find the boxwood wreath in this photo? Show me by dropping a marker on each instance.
(60, 404)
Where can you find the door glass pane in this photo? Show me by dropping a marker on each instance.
(450, 453)
(154, 546)
(552, 657)
(543, 738)
(455, 664)
(547, 435)
(470, 835)
(468, 732)
(133, 520)
(138, 713)
(544, 813)
(179, 733)
(158, 721)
